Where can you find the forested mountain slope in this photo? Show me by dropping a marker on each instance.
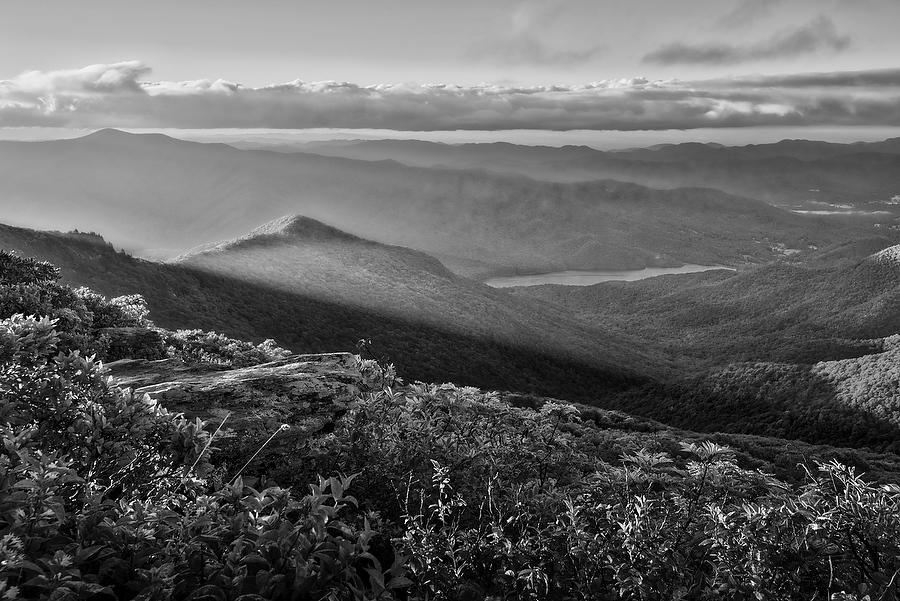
(301, 256)
(851, 402)
(801, 349)
(804, 308)
(516, 345)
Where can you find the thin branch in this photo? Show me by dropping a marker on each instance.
(274, 434)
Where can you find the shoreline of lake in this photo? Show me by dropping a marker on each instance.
(591, 277)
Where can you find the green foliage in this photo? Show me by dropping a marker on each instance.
(64, 404)
(84, 320)
(211, 348)
(25, 270)
(106, 495)
(123, 311)
(488, 501)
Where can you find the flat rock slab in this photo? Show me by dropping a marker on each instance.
(301, 391)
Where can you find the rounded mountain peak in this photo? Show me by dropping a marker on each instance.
(300, 226)
(289, 229)
(888, 256)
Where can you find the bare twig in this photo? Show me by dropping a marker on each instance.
(274, 434)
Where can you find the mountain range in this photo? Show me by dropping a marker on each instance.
(160, 197)
(790, 173)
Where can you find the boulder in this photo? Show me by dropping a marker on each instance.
(303, 392)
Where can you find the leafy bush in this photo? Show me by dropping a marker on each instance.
(106, 495)
(123, 311)
(489, 501)
(83, 318)
(15, 270)
(211, 348)
(66, 406)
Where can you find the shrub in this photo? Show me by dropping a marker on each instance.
(119, 312)
(82, 317)
(16, 270)
(488, 501)
(106, 495)
(211, 348)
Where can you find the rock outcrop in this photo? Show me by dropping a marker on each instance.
(304, 392)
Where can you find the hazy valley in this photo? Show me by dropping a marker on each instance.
(160, 197)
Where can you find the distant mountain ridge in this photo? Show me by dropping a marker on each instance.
(165, 196)
(805, 150)
(405, 150)
(784, 173)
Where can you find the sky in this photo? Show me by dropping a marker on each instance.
(462, 65)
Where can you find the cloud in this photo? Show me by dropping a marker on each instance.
(819, 35)
(746, 12)
(118, 95)
(523, 44)
(117, 77)
(875, 78)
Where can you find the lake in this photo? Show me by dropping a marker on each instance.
(588, 278)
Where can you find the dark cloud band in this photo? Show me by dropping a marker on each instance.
(819, 35)
(116, 95)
